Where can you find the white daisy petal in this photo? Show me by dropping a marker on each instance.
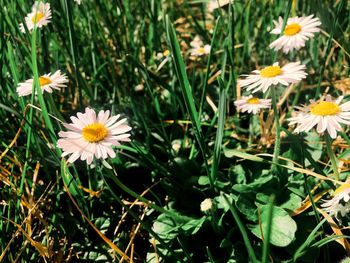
(297, 31)
(46, 82)
(198, 48)
(273, 75)
(251, 104)
(39, 16)
(326, 115)
(339, 204)
(90, 136)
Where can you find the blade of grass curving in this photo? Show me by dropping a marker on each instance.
(328, 48)
(186, 89)
(210, 256)
(207, 72)
(314, 233)
(103, 237)
(72, 42)
(328, 239)
(72, 184)
(144, 224)
(220, 131)
(242, 229)
(39, 93)
(265, 249)
(126, 189)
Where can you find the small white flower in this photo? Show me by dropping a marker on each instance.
(214, 4)
(297, 31)
(78, 1)
(197, 47)
(139, 87)
(251, 104)
(40, 16)
(340, 202)
(273, 75)
(47, 83)
(206, 205)
(326, 114)
(92, 136)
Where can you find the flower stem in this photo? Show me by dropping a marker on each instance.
(331, 155)
(276, 151)
(251, 131)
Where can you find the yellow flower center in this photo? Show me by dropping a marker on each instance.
(201, 50)
(341, 188)
(94, 132)
(292, 29)
(253, 101)
(37, 17)
(271, 71)
(324, 108)
(44, 81)
(166, 53)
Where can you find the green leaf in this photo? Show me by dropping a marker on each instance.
(245, 204)
(293, 202)
(193, 226)
(283, 227)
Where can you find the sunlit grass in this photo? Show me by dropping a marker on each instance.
(188, 141)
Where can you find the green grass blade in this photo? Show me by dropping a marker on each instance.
(220, 130)
(242, 229)
(186, 88)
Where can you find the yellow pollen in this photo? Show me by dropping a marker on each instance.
(270, 71)
(44, 81)
(324, 108)
(37, 17)
(341, 189)
(253, 101)
(201, 50)
(94, 132)
(292, 29)
(166, 53)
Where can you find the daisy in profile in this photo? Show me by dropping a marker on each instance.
(90, 136)
(198, 48)
(251, 104)
(325, 114)
(297, 31)
(273, 75)
(40, 16)
(340, 201)
(47, 83)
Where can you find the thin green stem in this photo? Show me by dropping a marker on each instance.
(265, 251)
(331, 155)
(39, 93)
(242, 230)
(276, 151)
(251, 131)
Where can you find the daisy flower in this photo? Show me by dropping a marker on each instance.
(197, 47)
(252, 105)
(47, 83)
(40, 16)
(273, 75)
(90, 136)
(296, 32)
(326, 114)
(214, 4)
(340, 202)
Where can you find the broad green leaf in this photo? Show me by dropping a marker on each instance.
(283, 226)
